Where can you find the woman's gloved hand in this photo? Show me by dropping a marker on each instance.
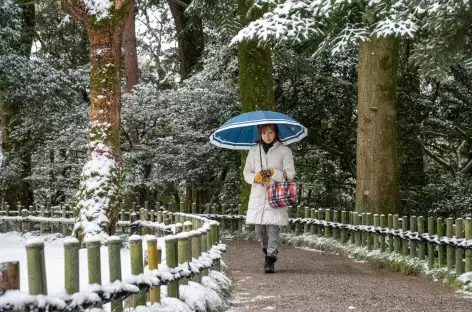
(267, 173)
(258, 177)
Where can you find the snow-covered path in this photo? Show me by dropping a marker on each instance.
(308, 280)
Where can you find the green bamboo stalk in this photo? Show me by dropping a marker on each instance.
(413, 228)
(344, 234)
(153, 263)
(171, 262)
(449, 249)
(114, 267)
(421, 246)
(441, 248)
(37, 283)
(369, 236)
(383, 222)
(196, 252)
(356, 218)
(136, 254)
(430, 245)
(376, 236)
(468, 252)
(404, 241)
(352, 221)
(297, 225)
(335, 219)
(71, 265)
(313, 216)
(327, 229)
(459, 251)
(240, 222)
(320, 217)
(397, 240)
(204, 246)
(93, 259)
(41, 223)
(183, 255)
(307, 215)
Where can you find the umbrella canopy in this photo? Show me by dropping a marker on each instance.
(241, 132)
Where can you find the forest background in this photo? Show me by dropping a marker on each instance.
(189, 65)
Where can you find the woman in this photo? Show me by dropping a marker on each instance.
(266, 164)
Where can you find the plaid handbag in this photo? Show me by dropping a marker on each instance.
(282, 194)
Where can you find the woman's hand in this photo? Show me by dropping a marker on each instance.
(258, 177)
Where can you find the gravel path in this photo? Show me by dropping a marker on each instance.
(309, 280)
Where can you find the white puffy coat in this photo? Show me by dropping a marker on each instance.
(279, 157)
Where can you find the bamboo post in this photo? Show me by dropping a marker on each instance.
(153, 263)
(114, 263)
(240, 222)
(196, 251)
(122, 218)
(396, 240)
(194, 212)
(64, 216)
(93, 257)
(153, 220)
(468, 252)
(9, 276)
(187, 226)
(313, 216)
(41, 223)
(171, 262)
(421, 245)
(142, 219)
(404, 241)
(183, 243)
(327, 229)
(352, 221)
(71, 265)
(413, 229)
(441, 248)
(336, 220)
(24, 224)
(204, 246)
(307, 216)
(375, 235)
(430, 245)
(369, 236)
(36, 268)
(344, 233)
(136, 254)
(297, 225)
(320, 217)
(357, 234)
(160, 217)
(182, 210)
(385, 223)
(459, 251)
(449, 249)
(364, 235)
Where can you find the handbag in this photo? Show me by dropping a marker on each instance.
(281, 194)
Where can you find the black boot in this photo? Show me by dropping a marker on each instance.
(269, 265)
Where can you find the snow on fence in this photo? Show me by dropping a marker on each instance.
(443, 243)
(189, 256)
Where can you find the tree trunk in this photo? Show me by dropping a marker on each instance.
(130, 53)
(256, 82)
(190, 36)
(377, 187)
(98, 200)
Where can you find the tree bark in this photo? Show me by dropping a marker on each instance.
(130, 53)
(256, 82)
(105, 36)
(377, 187)
(190, 36)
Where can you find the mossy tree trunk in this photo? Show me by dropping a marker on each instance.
(105, 36)
(377, 187)
(256, 82)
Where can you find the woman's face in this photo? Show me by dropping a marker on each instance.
(268, 135)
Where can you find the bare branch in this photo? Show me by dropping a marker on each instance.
(458, 153)
(438, 159)
(467, 168)
(181, 3)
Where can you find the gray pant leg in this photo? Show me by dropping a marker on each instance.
(273, 242)
(262, 234)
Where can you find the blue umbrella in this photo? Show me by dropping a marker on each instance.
(241, 132)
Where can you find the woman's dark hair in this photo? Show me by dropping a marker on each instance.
(274, 128)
